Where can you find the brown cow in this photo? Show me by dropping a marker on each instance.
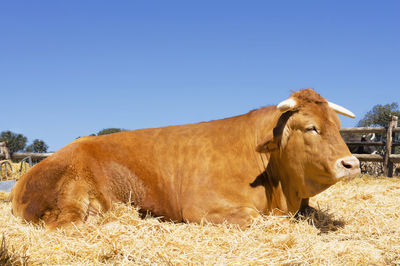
(233, 169)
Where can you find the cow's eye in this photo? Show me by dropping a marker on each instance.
(312, 129)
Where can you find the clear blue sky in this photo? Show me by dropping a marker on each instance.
(72, 68)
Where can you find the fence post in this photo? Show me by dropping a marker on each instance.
(387, 164)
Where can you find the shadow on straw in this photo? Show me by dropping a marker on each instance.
(321, 219)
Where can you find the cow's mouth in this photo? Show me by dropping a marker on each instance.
(350, 175)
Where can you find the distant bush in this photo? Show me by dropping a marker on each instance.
(109, 131)
(37, 146)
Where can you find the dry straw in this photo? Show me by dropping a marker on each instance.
(356, 223)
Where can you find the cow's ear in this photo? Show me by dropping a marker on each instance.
(272, 139)
(268, 144)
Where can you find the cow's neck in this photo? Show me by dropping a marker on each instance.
(284, 189)
(280, 192)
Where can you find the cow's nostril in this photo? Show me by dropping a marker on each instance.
(347, 164)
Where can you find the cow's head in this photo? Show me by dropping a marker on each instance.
(306, 149)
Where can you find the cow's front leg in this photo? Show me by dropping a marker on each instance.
(305, 208)
(304, 205)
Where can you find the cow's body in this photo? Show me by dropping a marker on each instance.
(231, 169)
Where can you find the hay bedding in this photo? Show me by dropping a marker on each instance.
(356, 222)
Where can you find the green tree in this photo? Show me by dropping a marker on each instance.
(109, 131)
(37, 146)
(379, 115)
(15, 142)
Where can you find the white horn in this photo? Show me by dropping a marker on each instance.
(341, 110)
(286, 105)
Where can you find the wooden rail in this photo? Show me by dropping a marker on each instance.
(395, 158)
(362, 130)
(366, 130)
(388, 158)
(22, 155)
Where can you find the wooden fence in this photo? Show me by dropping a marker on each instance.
(388, 158)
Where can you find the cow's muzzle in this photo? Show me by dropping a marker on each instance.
(347, 167)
